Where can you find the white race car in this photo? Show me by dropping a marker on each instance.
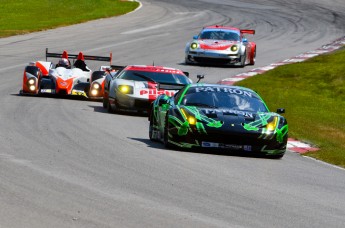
(135, 87)
(222, 45)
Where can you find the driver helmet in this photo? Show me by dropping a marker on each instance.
(64, 63)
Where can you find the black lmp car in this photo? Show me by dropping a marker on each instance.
(218, 116)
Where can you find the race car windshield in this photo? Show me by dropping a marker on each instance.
(224, 98)
(155, 77)
(219, 35)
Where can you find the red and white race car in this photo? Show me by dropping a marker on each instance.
(221, 45)
(135, 87)
(64, 78)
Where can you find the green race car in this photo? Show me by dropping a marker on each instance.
(214, 116)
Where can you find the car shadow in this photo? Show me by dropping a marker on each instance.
(100, 108)
(216, 152)
(209, 65)
(55, 96)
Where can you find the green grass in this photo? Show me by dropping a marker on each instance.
(313, 94)
(24, 16)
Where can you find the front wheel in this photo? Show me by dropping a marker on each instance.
(110, 108)
(166, 133)
(151, 127)
(243, 60)
(105, 103)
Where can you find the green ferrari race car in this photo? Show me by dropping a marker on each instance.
(213, 116)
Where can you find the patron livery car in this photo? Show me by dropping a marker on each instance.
(134, 87)
(219, 117)
(221, 45)
(64, 78)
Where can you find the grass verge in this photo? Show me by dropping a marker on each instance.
(24, 16)
(313, 94)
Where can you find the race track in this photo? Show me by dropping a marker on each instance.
(68, 163)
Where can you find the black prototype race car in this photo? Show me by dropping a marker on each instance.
(213, 116)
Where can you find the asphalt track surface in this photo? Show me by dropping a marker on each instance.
(68, 163)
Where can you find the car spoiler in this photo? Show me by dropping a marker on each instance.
(75, 56)
(168, 86)
(117, 67)
(247, 31)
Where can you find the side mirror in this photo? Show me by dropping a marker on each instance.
(199, 76)
(281, 110)
(245, 40)
(195, 37)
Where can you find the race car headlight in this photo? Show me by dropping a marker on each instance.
(190, 118)
(194, 45)
(125, 89)
(271, 126)
(96, 86)
(32, 87)
(234, 48)
(31, 81)
(94, 92)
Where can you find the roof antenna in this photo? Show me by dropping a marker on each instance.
(153, 63)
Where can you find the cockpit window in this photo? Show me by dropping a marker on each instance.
(220, 35)
(155, 77)
(218, 97)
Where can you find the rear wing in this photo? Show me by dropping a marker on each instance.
(117, 67)
(75, 56)
(167, 86)
(247, 31)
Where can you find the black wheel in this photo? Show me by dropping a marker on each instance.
(110, 108)
(243, 60)
(186, 61)
(151, 127)
(105, 103)
(166, 133)
(278, 156)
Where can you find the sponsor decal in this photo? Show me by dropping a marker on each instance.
(226, 146)
(46, 91)
(156, 92)
(228, 111)
(79, 93)
(224, 90)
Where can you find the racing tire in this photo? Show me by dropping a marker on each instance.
(110, 108)
(151, 127)
(278, 156)
(243, 60)
(166, 133)
(105, 103)
(187, 61)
